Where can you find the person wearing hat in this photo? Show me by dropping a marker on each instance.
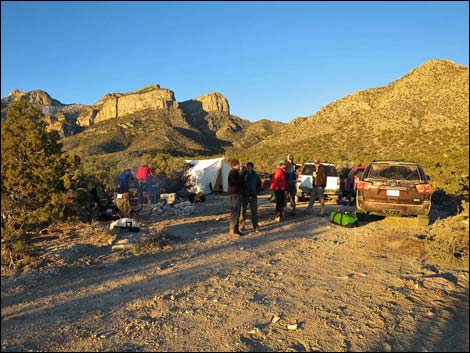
(279, 186)
(318, 184)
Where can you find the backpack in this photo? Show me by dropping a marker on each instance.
(343, 219)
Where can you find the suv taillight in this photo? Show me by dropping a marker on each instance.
(364, 185)
(423, 188)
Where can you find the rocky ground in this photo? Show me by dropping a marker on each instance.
(300, 285)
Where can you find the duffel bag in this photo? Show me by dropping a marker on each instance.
(343, 219)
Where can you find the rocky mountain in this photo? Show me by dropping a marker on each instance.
(197, 126)
(150, 120)
(422, 116)
(37, 97)
(58, 116)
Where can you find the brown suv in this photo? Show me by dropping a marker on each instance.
(394, 188)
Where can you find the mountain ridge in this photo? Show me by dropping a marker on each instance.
(422, 115)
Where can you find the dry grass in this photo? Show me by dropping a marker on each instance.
(448, 239)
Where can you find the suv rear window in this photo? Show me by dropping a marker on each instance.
(308, 169)
(331, 171)
(396, 172)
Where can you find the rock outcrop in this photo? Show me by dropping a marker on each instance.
(115, 105)
(211, 102)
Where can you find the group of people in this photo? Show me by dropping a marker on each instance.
(244, 185)
(145, 178)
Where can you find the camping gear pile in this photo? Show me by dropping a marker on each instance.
(183, 208)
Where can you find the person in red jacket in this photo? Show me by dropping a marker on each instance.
(279, 185)
(145, 176)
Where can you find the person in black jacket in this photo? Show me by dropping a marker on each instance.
(235, 184)
(250, 191)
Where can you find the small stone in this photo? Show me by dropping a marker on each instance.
(275, 319)
(292, 327)
(172, 297)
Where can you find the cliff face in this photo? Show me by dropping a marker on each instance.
(115, 105)
(211, 102)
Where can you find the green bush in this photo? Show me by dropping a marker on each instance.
(39, 183)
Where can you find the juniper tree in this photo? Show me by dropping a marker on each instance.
(38, 181)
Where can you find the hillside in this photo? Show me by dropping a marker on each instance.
(422, 116)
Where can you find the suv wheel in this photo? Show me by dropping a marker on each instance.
(361, 216)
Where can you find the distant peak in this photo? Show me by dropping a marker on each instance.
(438, 64)
(214, 94)
(16, 92)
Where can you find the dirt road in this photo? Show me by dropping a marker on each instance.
(300, 285)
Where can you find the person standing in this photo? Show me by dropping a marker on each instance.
(279, 185)
(124, 179)
(291, 181)
(235, 184)
(318, 184)
(145, 178)
(251, 189)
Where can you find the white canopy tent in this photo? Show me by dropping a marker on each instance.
(207, 175)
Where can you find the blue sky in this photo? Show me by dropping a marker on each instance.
(275, 60)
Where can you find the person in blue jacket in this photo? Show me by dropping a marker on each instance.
(124, 179)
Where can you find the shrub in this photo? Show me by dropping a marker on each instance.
(39, 184)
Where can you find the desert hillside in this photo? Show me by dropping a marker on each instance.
(422, 116)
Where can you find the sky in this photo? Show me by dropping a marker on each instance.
(274, 60)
